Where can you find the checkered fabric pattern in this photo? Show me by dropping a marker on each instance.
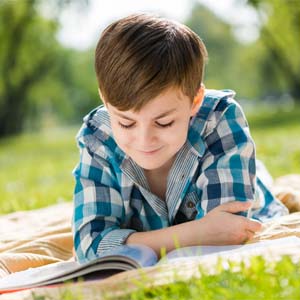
(217, 164)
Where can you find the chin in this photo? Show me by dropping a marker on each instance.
(149, 165)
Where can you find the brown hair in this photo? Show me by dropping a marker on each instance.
(142, 55)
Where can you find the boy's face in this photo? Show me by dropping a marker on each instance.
(153, 135)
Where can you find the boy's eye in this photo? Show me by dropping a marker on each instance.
(165, 125)
(126, 126)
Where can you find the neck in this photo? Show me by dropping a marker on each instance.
(157, 179)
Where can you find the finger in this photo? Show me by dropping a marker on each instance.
(250, 235)
(247, 236)
(253, 225)
(235, 206)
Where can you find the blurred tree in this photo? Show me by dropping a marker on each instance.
(37, 75)
(280, 37)
(66, 93)
(81, 78)
(223, 49)
(27, 52)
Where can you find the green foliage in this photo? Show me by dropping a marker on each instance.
(221, 46)
(270, 66)
(277, 61)
(42, 83)
(28, 50)
(39, 79)
(67, 93)
(80, 78)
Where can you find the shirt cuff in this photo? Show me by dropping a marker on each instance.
(114, 239)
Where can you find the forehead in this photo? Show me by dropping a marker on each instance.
(170, 99)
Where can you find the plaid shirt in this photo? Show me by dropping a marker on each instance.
(216, 165)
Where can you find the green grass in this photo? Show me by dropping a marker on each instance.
(36, 171)
(257, 280)
(277, 138)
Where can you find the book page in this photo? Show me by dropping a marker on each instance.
(122, 258)
(226, 251)
(34, 276)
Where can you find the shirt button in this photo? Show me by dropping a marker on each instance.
(190, 204)
(182, 177)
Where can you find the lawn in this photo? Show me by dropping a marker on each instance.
(277, 138)
(36, 171)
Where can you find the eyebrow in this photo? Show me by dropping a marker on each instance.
(164, 114)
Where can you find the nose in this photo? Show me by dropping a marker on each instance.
(146, 138)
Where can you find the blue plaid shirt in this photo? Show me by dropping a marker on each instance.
(216, 165)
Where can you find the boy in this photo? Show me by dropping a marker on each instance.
(163, 159)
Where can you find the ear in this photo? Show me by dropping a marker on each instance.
(198, 100)
(101, 97)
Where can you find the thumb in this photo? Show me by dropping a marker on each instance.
(235, 206)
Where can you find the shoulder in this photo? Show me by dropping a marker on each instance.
(219, 115)
(217, 105)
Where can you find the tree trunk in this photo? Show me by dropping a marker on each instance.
(12, 116)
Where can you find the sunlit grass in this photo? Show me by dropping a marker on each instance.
(277, 138)
(257, 280)
(36, 169)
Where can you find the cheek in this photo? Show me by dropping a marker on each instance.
(122, 138)
(177, 136)
(181, 130)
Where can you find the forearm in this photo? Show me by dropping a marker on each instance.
(219, 227)
(183, 235)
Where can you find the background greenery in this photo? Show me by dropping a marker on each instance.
(46, 89)
(44, 83)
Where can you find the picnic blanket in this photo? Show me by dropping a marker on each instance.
(35, 238)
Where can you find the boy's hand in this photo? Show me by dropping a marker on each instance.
(219, 227)
(222, 227)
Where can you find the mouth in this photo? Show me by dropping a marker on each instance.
(149, 152)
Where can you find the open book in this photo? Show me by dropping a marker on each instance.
(129, 257)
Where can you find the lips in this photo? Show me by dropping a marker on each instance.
(150, 151)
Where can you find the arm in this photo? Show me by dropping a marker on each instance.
(98, 206)
(97, 229)
(228, 165)
(219, 227)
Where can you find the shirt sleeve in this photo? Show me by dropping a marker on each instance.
(228, 165)
(98, 207)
